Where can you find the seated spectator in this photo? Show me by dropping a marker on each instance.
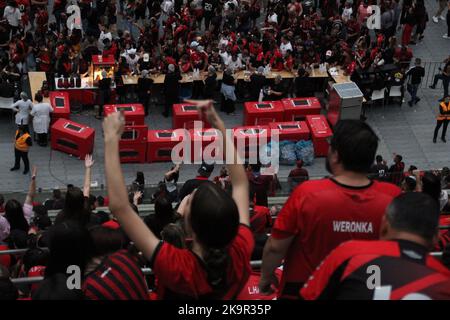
(409, 184)
(171, 180)
(407, 232)
(174, 234)
(260, 185)
(396, 170)
(57, 201)
(164, 215)
(222, 243)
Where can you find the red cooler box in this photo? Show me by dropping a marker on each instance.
(73, 138)
(60, 102)
(160, 144)
(294, 130)
(201, 138)
(134, 113)
(184, 116)
(320, 131)
(296, 109)
(133, 144)
(249, 137)
(256, 113)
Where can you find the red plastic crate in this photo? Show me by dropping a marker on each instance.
(251, 138)
(134, 113)
(320, 132)
(160, 144)
(60, 102)
(72, 138)
(296, 109)
(201, 139)
(293, 130)
(184, 116)
(256, 113)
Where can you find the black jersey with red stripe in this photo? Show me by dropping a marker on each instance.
(378, 270)
(118, 277)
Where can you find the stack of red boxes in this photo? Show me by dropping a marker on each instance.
(134, 113)
(60, 103)
(133, 144)
(320, 132)
(201, 139)
(296, 109)
(73, 138)
(184, 116)
(262, 113)
(160, 144)
(249, 139)
(293, 130)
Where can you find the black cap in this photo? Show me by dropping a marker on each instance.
(206, 169)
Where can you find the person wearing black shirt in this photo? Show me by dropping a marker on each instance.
(171, 89)
(379, 170)
(414, 76)
(277, 90)
(204, 172)
(257, 82)
(210, 86)
(143, 87)
(104, 87)
(209, 7)
(303, 86)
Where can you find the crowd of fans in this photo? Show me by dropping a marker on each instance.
(202, 247)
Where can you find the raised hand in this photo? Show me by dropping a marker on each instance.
(88, 161)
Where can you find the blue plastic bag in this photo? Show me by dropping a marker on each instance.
(304, 151)
(287, 153)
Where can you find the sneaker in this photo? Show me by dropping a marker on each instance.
(434, 140)
(14, 169)
(417, 100)
(445, 36)
(435, 19)
(442, 18)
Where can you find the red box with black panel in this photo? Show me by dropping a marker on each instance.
(291, 130)
(201, 139)
(184, 116)
(133, 144)
(160, 144)
(320, 133)
(72, 138)
(60, 102)
(296, 109)
(249, 139)
(262, 113)
(134, 113)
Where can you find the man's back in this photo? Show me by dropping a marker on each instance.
(322, 214)
(406, 271)
(416, 73)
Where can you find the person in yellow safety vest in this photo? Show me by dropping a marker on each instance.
(22, 143)
(442, 118)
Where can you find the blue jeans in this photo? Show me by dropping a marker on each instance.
(412, 89)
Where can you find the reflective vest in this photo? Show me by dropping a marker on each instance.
(21, 142)
(444, 110)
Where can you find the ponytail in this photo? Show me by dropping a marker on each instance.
(216, 261)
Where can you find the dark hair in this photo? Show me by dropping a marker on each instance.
(106, 240)
(356, 144)
(140, 178)
(410, 183)
(416, 213)
(431, 185)
(57, 194)
(75, 206)
(100, 201)
(214, 219)
(38, 97)
(35, 257)
(378, 158)
(55, 288)
(174, 234)
(14, 215)
(69, 244)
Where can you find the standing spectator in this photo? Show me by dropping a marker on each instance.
(444, 76)
(23, 108)
(210, 87)
(409, 226)
(408, 20)
(104, 87)
(171, 89)
(260, 185)
(171, 180)
(447, 35)
(379, 170)
(143, 87)
(396, 170)
(422, 18)
(219, 225)
(297, 175)
(321, 214)
(41, 119)
(442, 119)
(414, 76)
(22, 144)
(164, 215)
(13, 15)
(228, 92)
(257, 82)
(204, 172)
(439, 13)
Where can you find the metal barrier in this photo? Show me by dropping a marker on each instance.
(431, 69)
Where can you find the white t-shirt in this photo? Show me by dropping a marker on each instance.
(234, 65)
(23, 111)
(285, 47)
(347, 13)
(13, 15)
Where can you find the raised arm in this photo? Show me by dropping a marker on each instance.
(88, 163)
(238, 176)
(32, 188)
(119, 205)
(172, 171)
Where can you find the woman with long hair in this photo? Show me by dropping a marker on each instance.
(217, 263)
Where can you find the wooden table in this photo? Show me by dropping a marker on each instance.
(36, 79)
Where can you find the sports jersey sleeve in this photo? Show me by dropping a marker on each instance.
(243, 244)
(286, 224)
(324, 282)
